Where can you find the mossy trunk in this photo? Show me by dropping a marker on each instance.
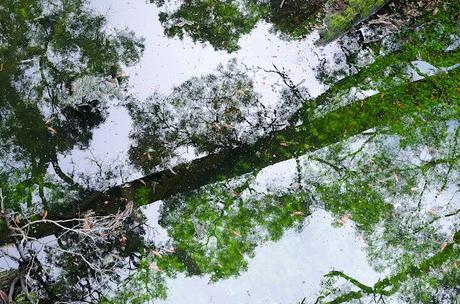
(378, 110)
(341, 17)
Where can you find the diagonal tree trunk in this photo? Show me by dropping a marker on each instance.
(375, 111)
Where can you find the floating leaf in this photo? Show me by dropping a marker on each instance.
(51, 130)
(155, 252)
(345, 218)
(297, 213)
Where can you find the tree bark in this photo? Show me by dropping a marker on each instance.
(6, 277)
(375, 111)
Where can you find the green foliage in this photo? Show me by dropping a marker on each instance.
(365, 205)
(208, 114)
(223, 23)
(216, 229)
(55, 57)
(142, 196)
(294, 19)
(144, 286)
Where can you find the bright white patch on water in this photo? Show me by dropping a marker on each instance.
(169, 62)
(286, 271)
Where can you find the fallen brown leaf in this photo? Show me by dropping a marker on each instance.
(297, 213)
(51, 130)
(155, 252)
(444, 245)
(344, 219)
(237, 233)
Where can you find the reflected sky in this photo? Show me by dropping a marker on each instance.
(168, 62)
(285, 271)
(369, 204)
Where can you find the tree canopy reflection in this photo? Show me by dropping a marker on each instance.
(366, 181)
(59, 68)
(215, 230)
(223, 23)
(397, 183)
(206, 114)
(415, 204)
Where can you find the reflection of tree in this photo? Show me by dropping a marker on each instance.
(379, 185)
(399, 181)
(294, 18)
(368, 181)
(83, 261)
(144, 285)
(91, 264)
(376, 181)
(380, 180)
(213, 231)
(391, 183)
(416, 33)
(58, 68)
(216, 229)
(210, 113)
(387, 187)
(222, 23)
(435, 280)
